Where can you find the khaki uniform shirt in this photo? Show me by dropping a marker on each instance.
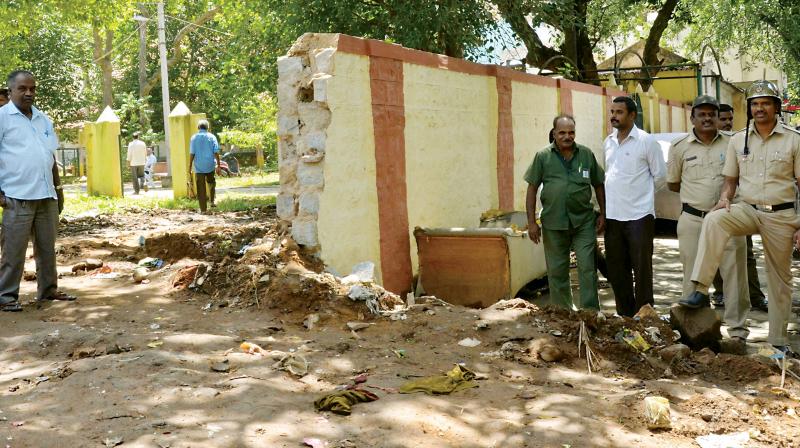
(698, 168)
(767, 174)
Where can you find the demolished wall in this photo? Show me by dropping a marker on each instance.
(376, 139)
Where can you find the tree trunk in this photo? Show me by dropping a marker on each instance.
(653, 42)
(538, 53)
(102, 56)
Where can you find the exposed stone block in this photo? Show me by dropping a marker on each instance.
(699, 328)
(304, 232)
(314, 116)
(285, 205)
(310, 175)
(309, 203)
(675, 351)
(288, 125)
(321, 88)
(322, 60)
(315, 140)
(289, 66)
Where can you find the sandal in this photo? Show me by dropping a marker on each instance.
(61, 296)
(11, 307)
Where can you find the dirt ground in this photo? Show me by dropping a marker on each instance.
(159, 364)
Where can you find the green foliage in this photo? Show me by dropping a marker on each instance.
(134, 116)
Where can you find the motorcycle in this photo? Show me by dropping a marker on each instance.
(228, 165)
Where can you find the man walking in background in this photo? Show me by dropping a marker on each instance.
(137, 158)
(566, 173)
(634, 163)
(203, 150)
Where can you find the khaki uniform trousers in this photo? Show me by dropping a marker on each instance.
(732, 268)
(776, 230)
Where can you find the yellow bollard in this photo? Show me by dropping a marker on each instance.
(85, 136)
(103, 156)
(182, 125)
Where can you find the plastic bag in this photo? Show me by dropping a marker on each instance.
(656, 412)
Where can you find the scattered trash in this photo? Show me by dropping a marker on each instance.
(469, 342)
(657, 413)
(200, 275)
(646, 312)
(155, 326)
(360, 293)
(29, 276)
(632, 338)
(400, 353)
(151, 263)
(654, 333)
(141, 240)
(555, 332)
(457, 379)
(362, 272)
(341, 402)
(293, 363)
(249, 347)
(17, 424)
(207, 307)
(264, 278)
(140, 274)
(730, 440)
(105, 272)
(155, 344)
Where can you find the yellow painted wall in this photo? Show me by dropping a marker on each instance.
(663, 117)
(678, 119)
(103, 156)
(348, 214)
(683, 90)
(533, 108)
(451, 147)
(590, 126)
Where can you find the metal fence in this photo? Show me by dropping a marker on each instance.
(70, 160)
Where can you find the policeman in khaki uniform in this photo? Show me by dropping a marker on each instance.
(764, 160)
(694, 168)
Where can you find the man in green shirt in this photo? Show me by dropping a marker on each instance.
(566, 173)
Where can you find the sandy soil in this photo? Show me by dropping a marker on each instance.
(154, 365)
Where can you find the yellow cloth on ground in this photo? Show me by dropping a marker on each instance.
(459, 378)
(342, 401)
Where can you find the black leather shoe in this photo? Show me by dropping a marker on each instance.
(695, 300)
(718, 300)
(760, 304)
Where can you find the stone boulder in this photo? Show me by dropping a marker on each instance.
(699, 328)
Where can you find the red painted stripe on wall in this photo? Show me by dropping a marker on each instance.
(565, 97)
(389, 122)
(505, 144)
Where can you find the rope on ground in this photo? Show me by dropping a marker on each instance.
(583, 341)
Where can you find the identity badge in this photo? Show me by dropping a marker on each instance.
(585, 174)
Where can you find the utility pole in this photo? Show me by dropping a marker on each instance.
(162, 51)
(142, 50)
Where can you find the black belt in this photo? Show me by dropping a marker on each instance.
(773, 208)
(693, 211)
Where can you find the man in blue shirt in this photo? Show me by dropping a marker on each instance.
(30, 193)
(203, 149)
